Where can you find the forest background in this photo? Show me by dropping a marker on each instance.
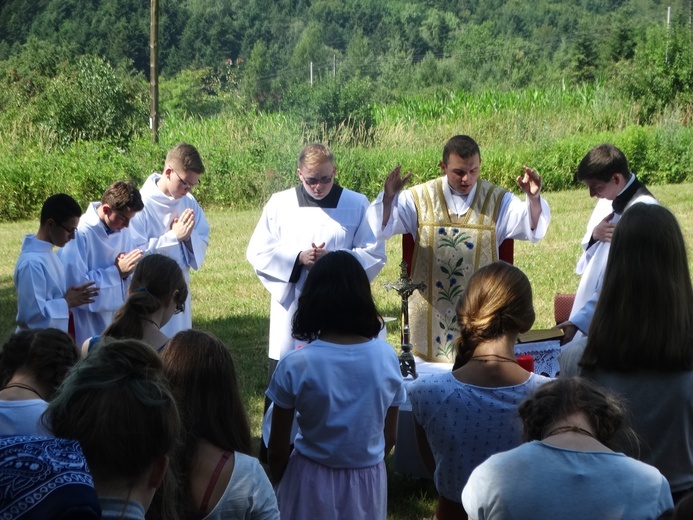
(535, 83)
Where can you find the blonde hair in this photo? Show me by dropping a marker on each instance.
(187, 156)
(315, 154)
(498, 300)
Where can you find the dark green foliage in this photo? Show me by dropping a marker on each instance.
(329, 105)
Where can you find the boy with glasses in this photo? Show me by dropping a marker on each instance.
(172, 223)
(43, 297)
(103, 252)
(300, 225)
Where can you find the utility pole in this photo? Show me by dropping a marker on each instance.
(154, 71)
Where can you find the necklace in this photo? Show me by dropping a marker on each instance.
(151, 321)
(25, 387)
(569, 428)
(494, 357)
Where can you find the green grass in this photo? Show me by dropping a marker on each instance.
(230, 302)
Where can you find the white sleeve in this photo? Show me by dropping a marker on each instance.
(403, 218)
(514, 220)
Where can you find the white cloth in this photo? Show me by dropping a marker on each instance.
(341, 394)
(23, 418)
(540, 481)
(39, 278)
(592, 263)
(249, 494)
(90, 257)
(514, 218)
(152, 233)
(284, 230)
(466, 424)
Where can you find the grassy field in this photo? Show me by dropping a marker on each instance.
(230, 302)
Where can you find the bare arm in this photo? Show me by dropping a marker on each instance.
(390, 430)
(424, 448)
(394, 183)
(530, 184)
(279, 448)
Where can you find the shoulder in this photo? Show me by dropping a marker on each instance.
(354, 196)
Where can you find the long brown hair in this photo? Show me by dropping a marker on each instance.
(498, 300)
(202, 375)
(155, 279)
(644, 315)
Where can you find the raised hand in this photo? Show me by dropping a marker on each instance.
(530, 183)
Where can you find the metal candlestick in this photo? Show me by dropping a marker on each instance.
(405, 287)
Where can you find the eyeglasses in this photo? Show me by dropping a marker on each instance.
(185, 184)
(69, 231)
(180, 307)
(312, 181)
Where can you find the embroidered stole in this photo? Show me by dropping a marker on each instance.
(448, 250)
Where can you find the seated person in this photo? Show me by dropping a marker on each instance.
(216, 476)
(640, 342)
(45, 479)
(454, 411)
(568, 468)
(33, 363)
(157, 292)
(117, 404)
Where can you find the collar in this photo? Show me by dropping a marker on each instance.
(623, 198)
(328, 202)
(456, 201)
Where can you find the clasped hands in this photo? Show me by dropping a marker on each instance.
(183, 225)
(312, 255)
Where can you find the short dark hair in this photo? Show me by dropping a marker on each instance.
(116, 402)
(461, 145)
(644, 314)
(601, 163)
(60, 207)
(188, 157)
(48, 354)
(123, 195)
(562, 397)
(336, 298)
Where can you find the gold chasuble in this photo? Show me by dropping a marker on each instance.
(447, 252)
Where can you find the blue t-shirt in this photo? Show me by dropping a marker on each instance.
(341, 394)
(540, 481)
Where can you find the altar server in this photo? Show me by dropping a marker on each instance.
(172, 223)
(103, 252)
(300, 225)
(43, 298)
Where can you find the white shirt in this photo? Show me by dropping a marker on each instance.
(40, 281)
(152, 233)
(90, 257)
(514, 217)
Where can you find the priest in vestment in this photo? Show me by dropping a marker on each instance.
(172, 223)
(458, 221)
(103, 252)
(300, 225)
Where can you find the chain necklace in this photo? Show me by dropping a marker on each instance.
(569, 428)
(25, 387)
(151, 321)
(493, 357)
